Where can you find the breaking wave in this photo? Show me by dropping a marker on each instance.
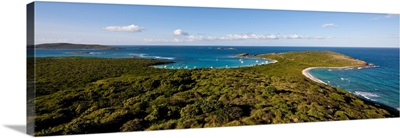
(96, 53)
(141, 55)
(367, 95)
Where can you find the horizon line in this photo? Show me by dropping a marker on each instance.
(223, 45)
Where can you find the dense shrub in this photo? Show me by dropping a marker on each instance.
(92, 95)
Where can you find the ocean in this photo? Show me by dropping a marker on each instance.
(379, 84)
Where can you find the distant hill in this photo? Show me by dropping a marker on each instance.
(73, 46)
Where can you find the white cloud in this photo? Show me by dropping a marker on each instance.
(328, 25)
(390, 15)
(233, 37)
(179, 32)
(128, 28)
(385, 17)
(265, 37)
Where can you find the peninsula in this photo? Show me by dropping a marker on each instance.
(92, 95)
(305, 61)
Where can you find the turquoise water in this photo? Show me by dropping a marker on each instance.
(379, 84)
(183, 57)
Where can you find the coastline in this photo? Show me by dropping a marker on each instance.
(270, 61)
(306, 72)
(136, 75)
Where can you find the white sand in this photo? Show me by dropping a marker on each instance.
(308, 75)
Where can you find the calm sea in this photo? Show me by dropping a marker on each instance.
(380, 84)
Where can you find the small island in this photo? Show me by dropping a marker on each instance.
(243, 55)
(73, 46)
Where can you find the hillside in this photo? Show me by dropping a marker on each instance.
(73, 46)
(97, 95)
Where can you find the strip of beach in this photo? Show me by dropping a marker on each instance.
(306, 72)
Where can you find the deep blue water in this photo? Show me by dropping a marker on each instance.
(380, 84)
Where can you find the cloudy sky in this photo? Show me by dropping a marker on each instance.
(158, 25)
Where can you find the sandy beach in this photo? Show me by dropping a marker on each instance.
(306, 72)
(308, 75)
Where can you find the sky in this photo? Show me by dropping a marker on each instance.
(111, 24)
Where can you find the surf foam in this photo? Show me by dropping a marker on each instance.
(367, 95)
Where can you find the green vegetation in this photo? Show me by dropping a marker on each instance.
(97, 95)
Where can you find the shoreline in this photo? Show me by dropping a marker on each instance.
(270, 61)
(306, 72)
